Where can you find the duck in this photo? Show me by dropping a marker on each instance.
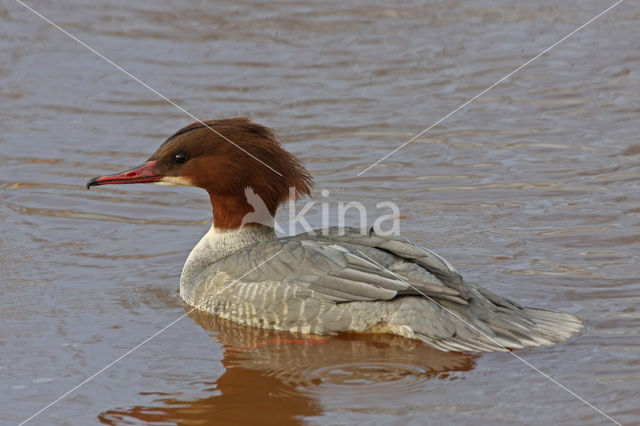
(322, 282)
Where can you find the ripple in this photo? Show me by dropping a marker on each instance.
(366, 378)
(75, 214)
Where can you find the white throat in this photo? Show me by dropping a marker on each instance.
(219, 243)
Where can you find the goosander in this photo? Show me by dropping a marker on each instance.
(329, 281)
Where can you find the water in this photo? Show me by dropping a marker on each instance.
(531, 191)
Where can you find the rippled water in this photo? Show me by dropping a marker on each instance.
(532, 191)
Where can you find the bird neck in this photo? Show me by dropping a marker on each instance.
(220, 243)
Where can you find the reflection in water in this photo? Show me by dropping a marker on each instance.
(284, 374)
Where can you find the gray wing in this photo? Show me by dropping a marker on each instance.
(349, 267)
(300, 283)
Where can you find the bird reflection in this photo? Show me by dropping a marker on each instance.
(280, 378)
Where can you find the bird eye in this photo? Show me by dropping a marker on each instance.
(180, 158)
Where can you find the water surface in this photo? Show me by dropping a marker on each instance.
(531, 191)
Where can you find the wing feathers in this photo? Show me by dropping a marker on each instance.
(357, 290)
(373, 278)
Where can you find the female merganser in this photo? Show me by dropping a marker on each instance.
(333, 281)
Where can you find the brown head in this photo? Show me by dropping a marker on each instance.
(224, 157)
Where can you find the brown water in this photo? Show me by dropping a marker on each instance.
(531, 191)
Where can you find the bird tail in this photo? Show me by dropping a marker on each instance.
(553, 326)
(507, 330)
